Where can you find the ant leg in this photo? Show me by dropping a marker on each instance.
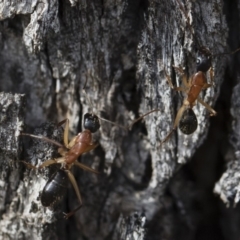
(207, 85)
(185, 81)
(141, 117)
(62, 122)
(211, 70)
(29, 165)
(179, 69)
(75, 186)
(45, 164)
(66, 131)
(178, 117)
(62, 151)
(67, 144)
(171, 84)
(72, 142)
(85, 167)
(43, 138)
(211, 110)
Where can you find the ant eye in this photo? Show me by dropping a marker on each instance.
(204, 60)
(198, 60)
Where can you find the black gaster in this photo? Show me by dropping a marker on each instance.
(55, 188)
(188, 123)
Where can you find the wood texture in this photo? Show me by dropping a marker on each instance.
(121, 50)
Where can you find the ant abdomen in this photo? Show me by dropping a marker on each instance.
(55, 188)
(188, 123)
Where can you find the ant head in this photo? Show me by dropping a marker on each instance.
(91, 122)
(204, 59)
(188, 123)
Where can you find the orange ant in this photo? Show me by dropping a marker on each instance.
(70, 151)
(186, 118)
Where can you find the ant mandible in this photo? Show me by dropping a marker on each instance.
(186, 118)
(70, 151)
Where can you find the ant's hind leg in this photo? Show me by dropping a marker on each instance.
(211, 110)
(85, 167)
(178, 117)
(29, 165)
(75, 186)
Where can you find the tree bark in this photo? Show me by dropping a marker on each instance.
(121, 50)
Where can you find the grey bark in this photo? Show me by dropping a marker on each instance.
(122, 48)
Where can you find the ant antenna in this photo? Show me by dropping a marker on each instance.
(144, 115)
(128, 128)
(113, 123)
(44, 139)
(227, 53)
(86, 95)
(91, 105)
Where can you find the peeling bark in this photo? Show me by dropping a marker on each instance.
(121, 50)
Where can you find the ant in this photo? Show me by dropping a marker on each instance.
(70, 151)
(186, 118)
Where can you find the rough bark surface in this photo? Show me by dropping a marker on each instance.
(121, 49)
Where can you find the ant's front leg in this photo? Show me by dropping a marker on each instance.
(66, 131)
(186, 82)
(171, 84)
(85, 167)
